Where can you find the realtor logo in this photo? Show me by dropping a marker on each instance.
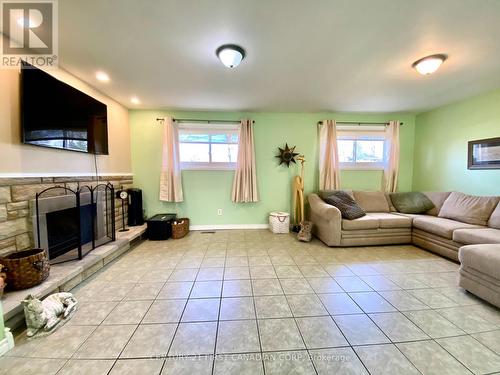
(29, 33)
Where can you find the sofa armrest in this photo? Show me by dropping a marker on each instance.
(327, 220)
(324, 210)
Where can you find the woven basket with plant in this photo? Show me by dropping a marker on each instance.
(3, 277)
(180, 227)
(26, 269)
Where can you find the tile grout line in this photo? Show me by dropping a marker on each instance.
(258, 327)
(295, 320)
(286, 297)
(431, 338)
(109, 265)
(458, 360)
(178, 323)
(334, 322)
(137, 327)
(218, 314)
(381, 330)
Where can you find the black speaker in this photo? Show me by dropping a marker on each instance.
(135, 215)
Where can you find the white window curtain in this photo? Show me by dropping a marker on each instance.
(245, 176)
(170, 178)
(329, 170)
(391, 171)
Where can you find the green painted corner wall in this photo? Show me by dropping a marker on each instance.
(441, 137)
(2, 327)
(206, 191)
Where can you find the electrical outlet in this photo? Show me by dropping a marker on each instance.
(219, 212)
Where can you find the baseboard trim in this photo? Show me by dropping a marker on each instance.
(228, 226)
(7, 343)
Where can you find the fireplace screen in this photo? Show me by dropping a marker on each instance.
(68, 226)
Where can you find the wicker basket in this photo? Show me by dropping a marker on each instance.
(3, 277)
(26, 269)
(279, 222)
(180, 227)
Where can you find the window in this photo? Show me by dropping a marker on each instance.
(361, 148)
(208, 146)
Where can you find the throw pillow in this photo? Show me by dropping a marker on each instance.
(411, 203)
(323, 194)
(347, 206)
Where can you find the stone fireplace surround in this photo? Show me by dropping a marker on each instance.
(16, 228)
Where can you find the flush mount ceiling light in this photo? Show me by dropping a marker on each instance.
(102, 76)
(135, 100)
(230, 55)
(429, 64)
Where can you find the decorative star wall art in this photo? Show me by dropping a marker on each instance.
(287, 155)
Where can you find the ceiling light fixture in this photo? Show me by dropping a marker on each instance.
(230, 55)
(101, 76)
(135, 100)
(429, 64)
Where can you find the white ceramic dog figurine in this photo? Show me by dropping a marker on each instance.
(44, 316)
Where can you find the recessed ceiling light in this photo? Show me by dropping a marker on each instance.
(429, 64)
(101, 76)
(230, 55)
(135, 100)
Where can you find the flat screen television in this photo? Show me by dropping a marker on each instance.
(55, 114)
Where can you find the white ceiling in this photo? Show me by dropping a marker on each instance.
(316, 55)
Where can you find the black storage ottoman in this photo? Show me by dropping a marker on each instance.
(160, 227)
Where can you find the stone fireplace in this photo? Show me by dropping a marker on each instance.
(16, 228)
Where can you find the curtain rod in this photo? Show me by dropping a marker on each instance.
(207, 121)
(359, 123)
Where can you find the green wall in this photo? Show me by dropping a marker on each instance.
(206, 191)
(2, 327)
(441, 137)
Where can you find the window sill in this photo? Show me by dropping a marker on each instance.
(362, 167)
(208, 166)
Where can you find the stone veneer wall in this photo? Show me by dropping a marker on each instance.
(16, 229)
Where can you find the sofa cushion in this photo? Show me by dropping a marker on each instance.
(376, 220)
(437, 198)
(494, 221)
(411, 202)
(410, 216)
(477, 236)
(365, 222)
(390, 220)
(347, 206)
(484, 258)
(440, 226)
(372, 201)
(468, 208)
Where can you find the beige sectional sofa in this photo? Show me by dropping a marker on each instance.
(480, 271)
(456, 220)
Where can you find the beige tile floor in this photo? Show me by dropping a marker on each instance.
(250, 302)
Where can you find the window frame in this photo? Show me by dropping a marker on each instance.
(363, 133)
(211, 128)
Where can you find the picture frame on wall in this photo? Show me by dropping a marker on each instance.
(484, 154)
